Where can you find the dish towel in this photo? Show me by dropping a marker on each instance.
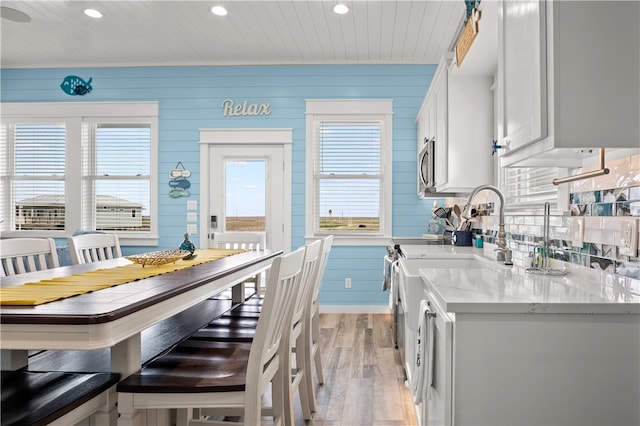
(423, 371)
(386, 273)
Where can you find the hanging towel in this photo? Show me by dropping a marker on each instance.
(386, 273)
(423, 371)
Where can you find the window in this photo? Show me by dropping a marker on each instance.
(528, 188)
(349, 169)
(80, 166)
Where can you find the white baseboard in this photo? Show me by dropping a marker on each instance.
(354, 309)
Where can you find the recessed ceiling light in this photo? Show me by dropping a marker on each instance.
(219, 10)
(93, 13)
(340, 9)
(14, 15)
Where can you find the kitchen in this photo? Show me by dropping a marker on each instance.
(191, 98)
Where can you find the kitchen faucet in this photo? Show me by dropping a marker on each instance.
(504, 253)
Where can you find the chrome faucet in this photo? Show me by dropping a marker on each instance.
(504, 253)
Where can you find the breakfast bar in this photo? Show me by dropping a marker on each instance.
(114, 317)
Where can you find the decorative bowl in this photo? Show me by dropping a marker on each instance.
(158, 257)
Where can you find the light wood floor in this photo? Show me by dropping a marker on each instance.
(364, 383)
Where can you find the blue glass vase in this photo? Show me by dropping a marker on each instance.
(188, 246)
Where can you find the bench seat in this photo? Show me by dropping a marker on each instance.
(55, 397)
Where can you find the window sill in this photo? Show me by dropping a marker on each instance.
(354, 240)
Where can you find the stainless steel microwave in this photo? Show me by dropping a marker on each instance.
(426, 166)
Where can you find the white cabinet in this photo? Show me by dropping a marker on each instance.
(457, 113)
(532, 369)
(570, 79)
(524, 49)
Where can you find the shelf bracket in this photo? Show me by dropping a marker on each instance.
(594, 173)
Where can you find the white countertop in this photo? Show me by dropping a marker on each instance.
(487, 286)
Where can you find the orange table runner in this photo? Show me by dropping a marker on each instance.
(37, 293)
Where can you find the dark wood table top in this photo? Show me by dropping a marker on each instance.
(113, 303)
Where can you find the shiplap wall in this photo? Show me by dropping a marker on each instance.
(190, 99)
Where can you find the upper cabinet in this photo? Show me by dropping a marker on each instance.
(457, 117)
(569, 76)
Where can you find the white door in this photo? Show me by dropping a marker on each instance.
(245, 176)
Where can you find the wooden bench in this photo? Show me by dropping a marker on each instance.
(58, 398)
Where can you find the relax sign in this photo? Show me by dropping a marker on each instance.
(230, 109)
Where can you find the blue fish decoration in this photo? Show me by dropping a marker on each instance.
(74, 85)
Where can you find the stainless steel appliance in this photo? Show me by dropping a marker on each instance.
(426, 165)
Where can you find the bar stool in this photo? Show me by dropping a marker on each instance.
(223, 376)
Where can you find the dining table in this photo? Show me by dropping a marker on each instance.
(114, 317)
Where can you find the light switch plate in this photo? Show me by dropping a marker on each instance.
(577, 231)
(192, 217)
(629, 237)
(191, 228)
(192, 205)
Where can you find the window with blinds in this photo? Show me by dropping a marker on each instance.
(70, 166)
(348, 170)
(529, 187)
(37, 180)
(348, 176)
(118, 191)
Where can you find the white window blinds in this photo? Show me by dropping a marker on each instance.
(119, 191)
(529, 187)
(67, 166)
(348, 176)
(37, 165)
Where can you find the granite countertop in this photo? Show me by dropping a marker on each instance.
(479, 284)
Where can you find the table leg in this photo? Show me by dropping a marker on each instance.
(237, 293)
(12, 359)
(126, 356)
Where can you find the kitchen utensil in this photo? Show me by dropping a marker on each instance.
(458, 213)
(442, 212)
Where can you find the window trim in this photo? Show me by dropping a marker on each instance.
(73, 114)
(351, 110)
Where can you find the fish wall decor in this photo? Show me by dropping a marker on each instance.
(76, 86)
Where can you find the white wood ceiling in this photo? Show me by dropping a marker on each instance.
(158, 33)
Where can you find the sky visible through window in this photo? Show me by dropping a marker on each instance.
(245, 188)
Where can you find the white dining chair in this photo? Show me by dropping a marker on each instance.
(22, 255)
(313, 358)
(239, 329)
(88, 248)
(223, 376)
(247, 241)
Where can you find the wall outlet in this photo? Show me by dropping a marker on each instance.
(192, 217)
(192, 205)
(347, 283)
(191, 228)
(629, 237)
(577, 231)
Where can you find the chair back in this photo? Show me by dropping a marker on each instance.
(310, 266)
(266, 356)
(327, 242)
(88, 248)
(240, 240)
(22, 255)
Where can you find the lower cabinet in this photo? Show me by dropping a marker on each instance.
(532, 369)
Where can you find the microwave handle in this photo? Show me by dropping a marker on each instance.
(427, 178)
(423, 178)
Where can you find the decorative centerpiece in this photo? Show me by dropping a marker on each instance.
(187, 245)
(158, 257)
